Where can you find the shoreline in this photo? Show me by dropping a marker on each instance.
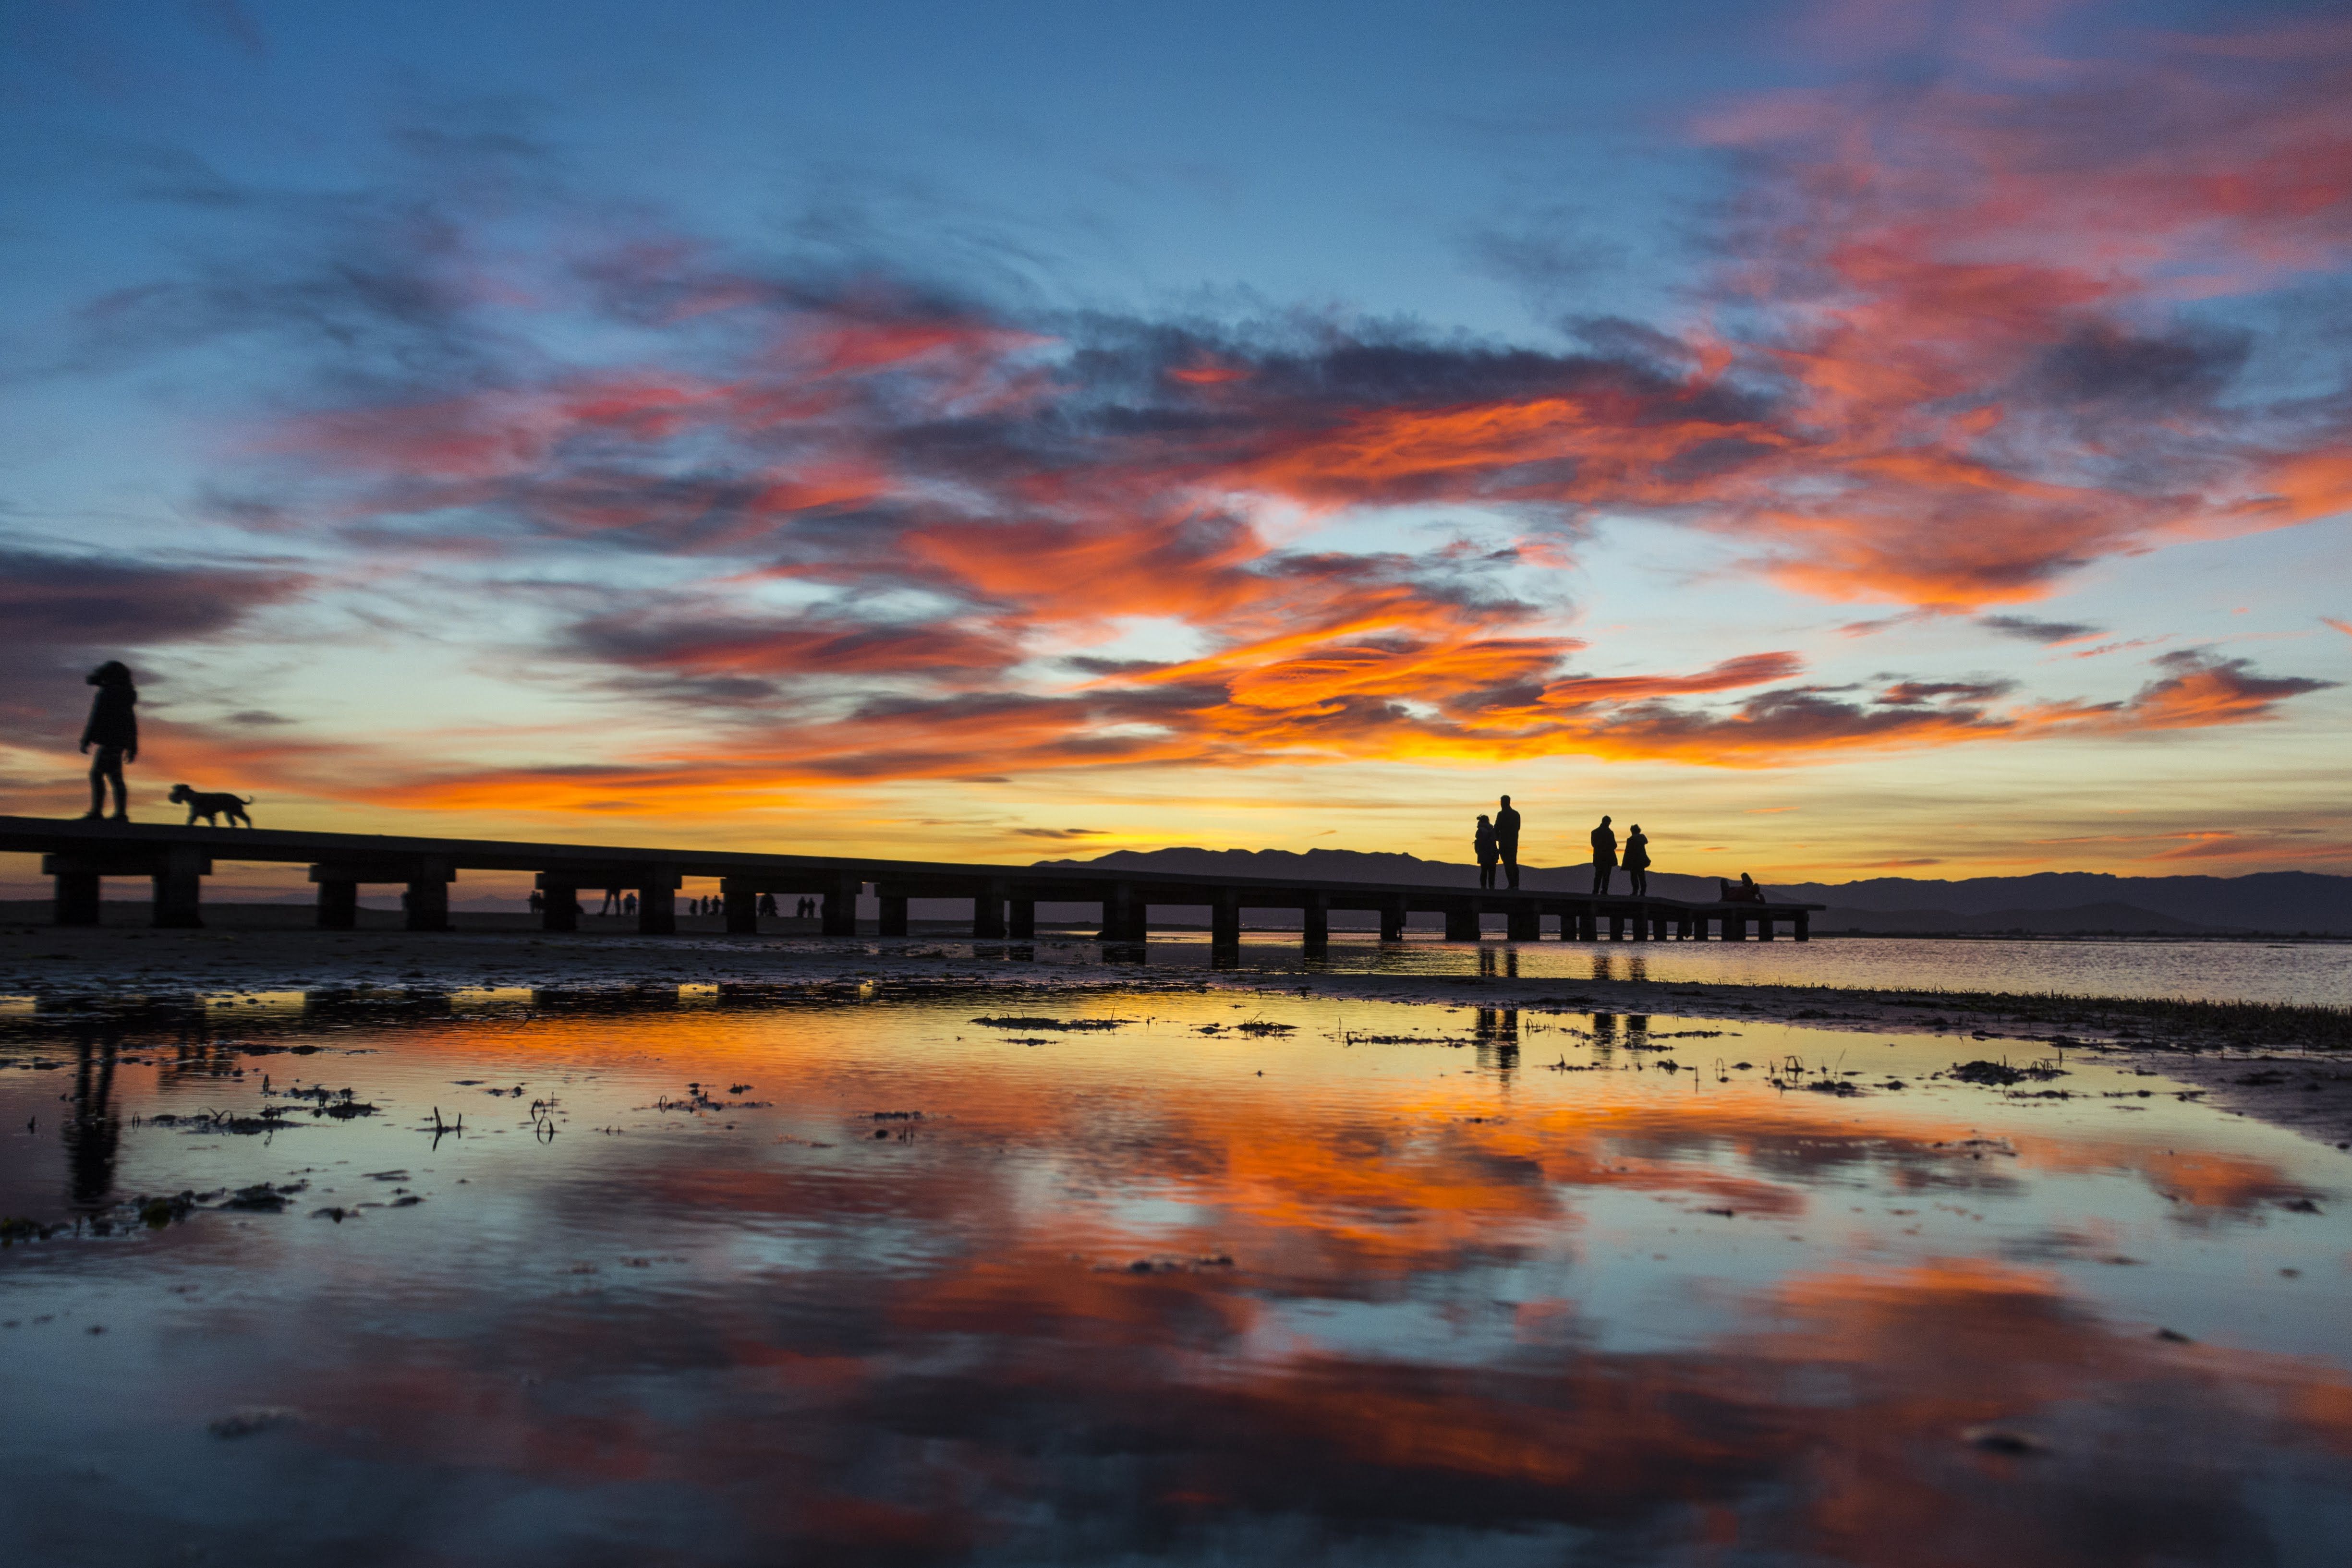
(71, 973)
(265, 915)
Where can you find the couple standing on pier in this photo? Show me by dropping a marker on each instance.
(1497, 840)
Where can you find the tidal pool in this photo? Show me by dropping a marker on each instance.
(858, 1276)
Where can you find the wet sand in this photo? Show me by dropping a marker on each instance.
(2289, 1081)
(920, 1265)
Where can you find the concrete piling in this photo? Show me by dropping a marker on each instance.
(988, 913)
(840, 905)
(1225, 919)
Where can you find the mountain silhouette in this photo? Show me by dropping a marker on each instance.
(2047, 903)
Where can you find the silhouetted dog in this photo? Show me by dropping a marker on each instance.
(213, 806)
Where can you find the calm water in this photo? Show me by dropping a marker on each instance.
(2307, 973)
(857, 1278)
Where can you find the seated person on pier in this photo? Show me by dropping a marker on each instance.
(1743, 891)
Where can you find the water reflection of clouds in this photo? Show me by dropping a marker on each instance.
(1120, 1291)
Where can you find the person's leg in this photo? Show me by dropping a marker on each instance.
(110, 760)
(1511, 863)
(97, 786)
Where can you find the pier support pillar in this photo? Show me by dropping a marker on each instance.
(1587, 925)
(988, 913)
(1317, 920)
(1394, 913)
(80, 897)
(841, 906)
(657, 910)
(1225, 919)
(339, 905)
(1525, 924)
(1616, 928)
(1123, 915)
(893, 914)
(179, 882)
(1022, 927)
(1735, 928)
(1683, 929)
(1462, 921)
(1804, 926)
(1641, 925)
(559, 904)
(426, 900)
(1763, 929)
(741, 902)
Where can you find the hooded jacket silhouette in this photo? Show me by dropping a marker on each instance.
(114, 718)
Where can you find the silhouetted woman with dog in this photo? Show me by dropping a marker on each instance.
(113, 729)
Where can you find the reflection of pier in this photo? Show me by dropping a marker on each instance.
(1004, 899)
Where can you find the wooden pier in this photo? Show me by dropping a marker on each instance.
(79, 855)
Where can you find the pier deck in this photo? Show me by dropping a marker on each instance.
(79, 855)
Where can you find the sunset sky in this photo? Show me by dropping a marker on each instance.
(1850, 439)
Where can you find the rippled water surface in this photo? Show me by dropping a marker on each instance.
(2303, 973)
(859, 1279)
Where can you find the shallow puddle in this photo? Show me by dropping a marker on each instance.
(861, 1277)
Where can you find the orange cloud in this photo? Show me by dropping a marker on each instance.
(1962, 370)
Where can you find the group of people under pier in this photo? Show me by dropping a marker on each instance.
(1497, 844)
(621, 901)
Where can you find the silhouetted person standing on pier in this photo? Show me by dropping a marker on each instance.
(1604, 855)
(1484, 844)
(1637, 862)
(1507, 841)
(113, 729)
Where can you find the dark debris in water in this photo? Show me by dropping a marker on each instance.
(2000, 1074)
(2003, 1440)
(1169, 1265)
(255, 1418)
(1037, 1023)
(271, 1120)
(263, 1198)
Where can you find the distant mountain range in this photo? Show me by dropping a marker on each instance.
(2046, 903)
